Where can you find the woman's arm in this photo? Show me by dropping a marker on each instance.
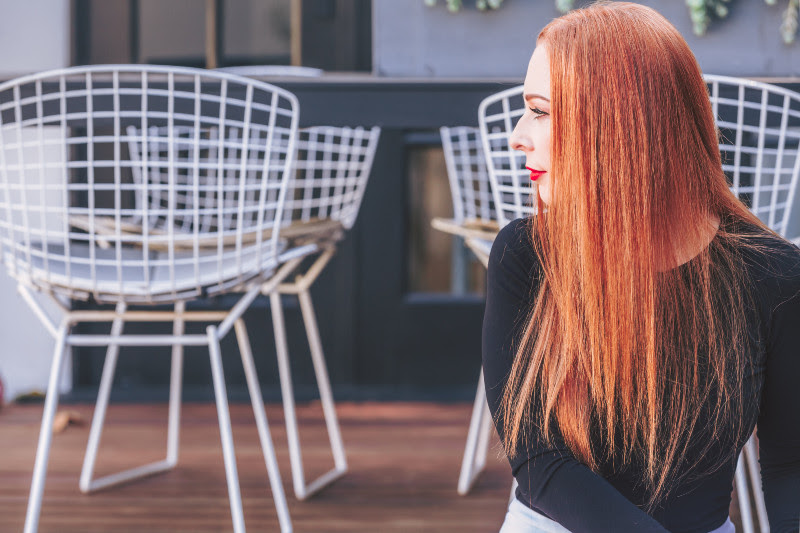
(551, 480)
(779, 418)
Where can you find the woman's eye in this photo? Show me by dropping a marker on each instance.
(538, 112)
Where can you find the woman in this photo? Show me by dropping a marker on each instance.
(640, 325)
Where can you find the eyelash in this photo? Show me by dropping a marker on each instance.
(538, 112)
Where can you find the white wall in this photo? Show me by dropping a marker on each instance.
(34, 36)
(26, 348)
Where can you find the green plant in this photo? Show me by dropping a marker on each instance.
(565, 5)
(702, 12)
(790, 20)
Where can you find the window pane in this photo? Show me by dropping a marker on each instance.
(257, 32)
(172, 32)
(110, 37)
(438, 261)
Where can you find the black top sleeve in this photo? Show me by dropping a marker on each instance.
(551, 481)
(779, 413)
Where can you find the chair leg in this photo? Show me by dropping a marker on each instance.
(175, 388)
(751, 458)
(323, 383)
(744, 496)
(267, 448)
(87, 484)
(45, 434)
(477, 441)
(302, 490)
(484, 437)
(98, 419)
(225, 432)
(513, 494)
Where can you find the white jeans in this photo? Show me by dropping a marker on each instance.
(522, 519)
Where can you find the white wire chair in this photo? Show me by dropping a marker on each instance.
(511, 185)
(332, 168)
(759, 128)
(760, 147)
(328, 180)
(474, 216)
(513, 194)
(760, 138)
(474, 220)
(72, 226)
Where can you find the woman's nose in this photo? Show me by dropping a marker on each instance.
(518, 140)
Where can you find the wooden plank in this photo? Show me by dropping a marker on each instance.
(404, 464)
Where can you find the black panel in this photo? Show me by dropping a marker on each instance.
(81, 35)
(337, 34)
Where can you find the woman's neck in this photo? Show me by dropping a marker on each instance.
(695, 244)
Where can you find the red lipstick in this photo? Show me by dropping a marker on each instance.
(535, 174)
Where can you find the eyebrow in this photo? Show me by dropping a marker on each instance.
(529, 96)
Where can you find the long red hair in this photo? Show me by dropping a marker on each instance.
(615, 341)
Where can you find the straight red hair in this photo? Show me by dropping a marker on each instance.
(617, 341)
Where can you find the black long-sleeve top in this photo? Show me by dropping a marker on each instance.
(555, 484)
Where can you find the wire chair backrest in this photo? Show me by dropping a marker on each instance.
(759, 128)
(329, 175)
(332, 165)
(468, 175)
(72, 216)
(514, 193)
(175, 183)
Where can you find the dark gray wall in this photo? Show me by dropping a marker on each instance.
(411, 39)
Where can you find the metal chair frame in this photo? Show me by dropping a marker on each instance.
(758, 114)
(475, 221)
(511, 187)
(332, 170)
(329, 177)
(61, 239)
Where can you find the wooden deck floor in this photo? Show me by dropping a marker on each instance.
(404, 464)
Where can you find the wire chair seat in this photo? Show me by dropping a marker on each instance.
(183, 276)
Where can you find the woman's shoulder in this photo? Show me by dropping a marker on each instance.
(773, 264)
(514, 240)
(513, 264)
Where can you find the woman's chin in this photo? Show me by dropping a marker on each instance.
(544, 196)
